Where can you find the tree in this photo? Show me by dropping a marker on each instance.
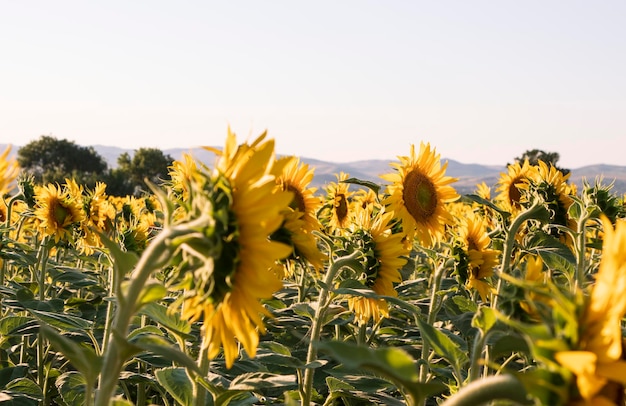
(535, 155)
(146, 163)
(51, 160)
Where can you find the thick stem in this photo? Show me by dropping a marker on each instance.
(157, 255)
(433, 307)
(495, 387)
(509, 243)
(581, 247)
(318, 321)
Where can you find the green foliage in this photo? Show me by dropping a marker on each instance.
(129, 178)
(51, 160)
(535, 155)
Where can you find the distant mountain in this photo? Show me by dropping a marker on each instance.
(468, 175)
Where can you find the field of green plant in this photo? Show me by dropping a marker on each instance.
(235, 283)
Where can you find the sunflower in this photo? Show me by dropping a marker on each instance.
(597, 359)
(550, 184)
(385, 255)
(182, 173)
(418, 194)
(57, 212)
(481, 260)
(301, 215)
(509, 197)
(227, 294)
(9, 169)
(338, 204)
(100, 215)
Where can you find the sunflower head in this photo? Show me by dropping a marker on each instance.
(338, 207)
(59, 214)
(384, 255)
(224, 290)
(509, 197)
(418, 194)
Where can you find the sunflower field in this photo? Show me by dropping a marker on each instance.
(236, 283)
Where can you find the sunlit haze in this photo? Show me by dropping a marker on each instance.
(482, 81)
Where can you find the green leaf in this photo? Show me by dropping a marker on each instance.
(83, 358)
(123, 261)
(261, 380)
(177, 383)
(335, 384)
(10, 323)
(443, 345)
(392, 363)
(8, 374)
(553, 252)
(62, 321)
(374, 186)
(164, 348)
(484, 319)
(151, 292)
(25, 389)
(171, 321)
(71, 386)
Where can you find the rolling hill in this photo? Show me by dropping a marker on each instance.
(468, 175)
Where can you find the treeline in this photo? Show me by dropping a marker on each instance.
(52, 160)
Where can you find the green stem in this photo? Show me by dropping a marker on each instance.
(433, 308)
(199, 392)
(318, 321)
(41, 280)
(581, 247)
(156, 256)
(509, 244)
(495, 387)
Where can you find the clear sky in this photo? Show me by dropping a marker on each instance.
(341, 80)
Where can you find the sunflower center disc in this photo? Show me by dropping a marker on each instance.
(420, 196)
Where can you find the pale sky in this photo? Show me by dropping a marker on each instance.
(341, 80)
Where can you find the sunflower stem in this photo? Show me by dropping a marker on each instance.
(509, 243)
(433, 308)
(581, 247)
(324, 301)
(157, 255)
(495, 387)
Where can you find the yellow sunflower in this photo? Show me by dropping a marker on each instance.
(182, 173)
(481, 259)
(9, 169)
(509, 196)
(100, 215)
(301, 215)
(385, 256)
(57, 212)
(597, 361)
(418, 194)
(338, 202)
(228, 296)
(551, 185)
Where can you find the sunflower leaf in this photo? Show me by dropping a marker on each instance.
(371, 185)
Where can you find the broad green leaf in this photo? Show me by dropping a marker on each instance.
(151, 292)
(443, 345)
(62, 321)
(391, 362)
(170, 321)
(123, 261)
(164, 348)
(9, 323)
(335, 384)
(261, 380)
(83, 358)
(484, 319)
(8, 374)
(371, 185)
(71, 386)
(176, 382)
(25, 389)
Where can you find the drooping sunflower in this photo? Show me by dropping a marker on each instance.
(418, 194)
(301, 215)
(182, 173)
(509, 197)
(227, 296)
(100, 215)
(550, 184)
(385, 255)
(57, 212)
(480, 258)
(597, 359)
(338, 213)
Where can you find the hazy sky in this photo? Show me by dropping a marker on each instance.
(482, 81)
